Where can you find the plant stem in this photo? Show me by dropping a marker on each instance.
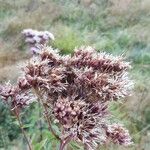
(49, 123)
(46, 113)
(40, 122)
(21, 127)
(62, 145)
(64, 142)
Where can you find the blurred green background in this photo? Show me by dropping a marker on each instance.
(115, 26)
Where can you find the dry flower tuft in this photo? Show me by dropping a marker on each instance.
(118, 134)
(15, 97)
(75, 91)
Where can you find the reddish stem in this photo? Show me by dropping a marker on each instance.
(46, 113)
(62, 145)
(64, 142)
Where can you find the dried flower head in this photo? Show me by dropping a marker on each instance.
(118, 134)
(75, 91)
(67, 111)
(15, 97)
(78, 88)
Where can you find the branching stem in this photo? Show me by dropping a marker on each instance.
(64, 142)
(46, 113)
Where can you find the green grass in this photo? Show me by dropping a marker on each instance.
(67, 39)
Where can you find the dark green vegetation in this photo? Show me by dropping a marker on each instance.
(115, 26)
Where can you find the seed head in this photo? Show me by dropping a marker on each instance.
(118, 134)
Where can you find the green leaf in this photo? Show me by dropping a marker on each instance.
(39, 146)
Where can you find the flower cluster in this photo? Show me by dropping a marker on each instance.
(76, 90)
(36, 39)
(15, 96)
(68, 111)
(118, 134)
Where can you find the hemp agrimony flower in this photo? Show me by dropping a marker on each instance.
(75, 91)
(36, 39)
(15, 97)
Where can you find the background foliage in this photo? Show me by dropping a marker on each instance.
(115, 26)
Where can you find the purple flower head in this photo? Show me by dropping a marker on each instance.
(118, 134)
(37, 39)
(75, 91)
(16, 97)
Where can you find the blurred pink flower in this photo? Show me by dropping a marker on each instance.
(37, 39)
